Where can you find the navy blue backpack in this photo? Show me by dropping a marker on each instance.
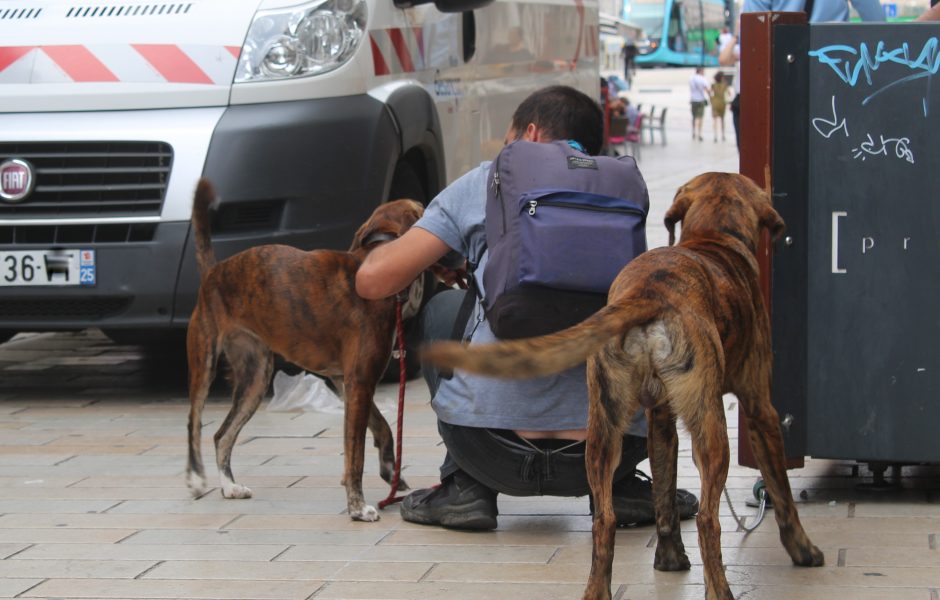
(560, 225)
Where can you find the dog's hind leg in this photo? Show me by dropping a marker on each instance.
(202, 355)
(663, 449)
(767, 444)
(712, 455)
(383, 440)
(602, 456)
(251, 364)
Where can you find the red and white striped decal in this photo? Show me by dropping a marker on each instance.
(592, 41)
(119, 63)
(399, 50)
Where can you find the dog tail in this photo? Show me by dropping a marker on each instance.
(548, 354)
(205, 196)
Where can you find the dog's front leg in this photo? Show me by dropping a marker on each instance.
(663, 449)
(767, 443)
(358, 408)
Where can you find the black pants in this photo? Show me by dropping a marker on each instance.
(500, 459)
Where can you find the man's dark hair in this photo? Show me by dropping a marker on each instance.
(563, 113)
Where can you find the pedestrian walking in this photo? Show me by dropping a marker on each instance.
(698, 94)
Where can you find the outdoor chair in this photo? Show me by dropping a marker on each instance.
(634, 136)
(658, 123)
(617, 134)
(622, 132)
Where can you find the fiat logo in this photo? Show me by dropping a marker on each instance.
(16, 179)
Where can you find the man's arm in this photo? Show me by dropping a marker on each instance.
(727, 58)
(391, 267)
(869, 10)
(932, 14)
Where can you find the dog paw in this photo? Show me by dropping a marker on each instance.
(810, 557)
(402, 486)
(366, 513)
(236, 491)
(671, 561)
(196, 484)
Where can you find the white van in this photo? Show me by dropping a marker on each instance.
(305, 115)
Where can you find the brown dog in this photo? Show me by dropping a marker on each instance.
(683, 325)
(304, 307)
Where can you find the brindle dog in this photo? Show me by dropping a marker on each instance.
(303, 306)
(683, 325)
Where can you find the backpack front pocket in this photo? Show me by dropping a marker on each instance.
(577, 240)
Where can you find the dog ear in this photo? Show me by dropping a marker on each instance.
(676, 212)
(772, 220)
(413, 212)
(364, 231)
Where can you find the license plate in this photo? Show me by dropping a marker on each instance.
(47, 267)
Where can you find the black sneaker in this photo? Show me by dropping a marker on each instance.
(459, 502)
(633, 501)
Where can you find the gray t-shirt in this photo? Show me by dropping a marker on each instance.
(457, 217)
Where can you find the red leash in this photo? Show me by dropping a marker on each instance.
(396, 476)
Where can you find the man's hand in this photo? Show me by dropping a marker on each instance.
(450, 277)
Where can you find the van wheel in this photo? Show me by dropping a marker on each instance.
(406, 183)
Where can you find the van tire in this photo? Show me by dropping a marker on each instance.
(406, 183)
(6, 334)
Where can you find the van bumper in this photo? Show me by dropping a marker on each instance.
(303, 173)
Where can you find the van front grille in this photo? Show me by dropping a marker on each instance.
(60, 235)
(60, 308)
(91, 179)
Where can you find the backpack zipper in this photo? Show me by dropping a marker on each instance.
(502, 206)
(533, 204)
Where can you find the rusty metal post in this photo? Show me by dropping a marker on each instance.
(756, 153)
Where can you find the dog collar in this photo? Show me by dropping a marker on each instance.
(378, 237)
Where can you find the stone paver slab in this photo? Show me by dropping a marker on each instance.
(115, 521)
(14, 586)
(151, 552)
(63, 535)
(245, 570)
(365, 536)
(445, 591)
(174, 588)
(73, 568)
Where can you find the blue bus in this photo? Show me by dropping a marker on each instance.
(678, 32)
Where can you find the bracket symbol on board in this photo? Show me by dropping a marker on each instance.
(836, 214)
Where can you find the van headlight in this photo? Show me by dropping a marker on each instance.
(303, 40)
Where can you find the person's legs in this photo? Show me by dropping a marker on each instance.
(698, 115)
(509, 464)
(437, 320)
(482, 462)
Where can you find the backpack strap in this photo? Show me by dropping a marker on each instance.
(473, 295)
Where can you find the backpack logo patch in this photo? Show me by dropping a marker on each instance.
(581, 162)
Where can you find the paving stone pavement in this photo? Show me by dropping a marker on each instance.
(93, 502)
